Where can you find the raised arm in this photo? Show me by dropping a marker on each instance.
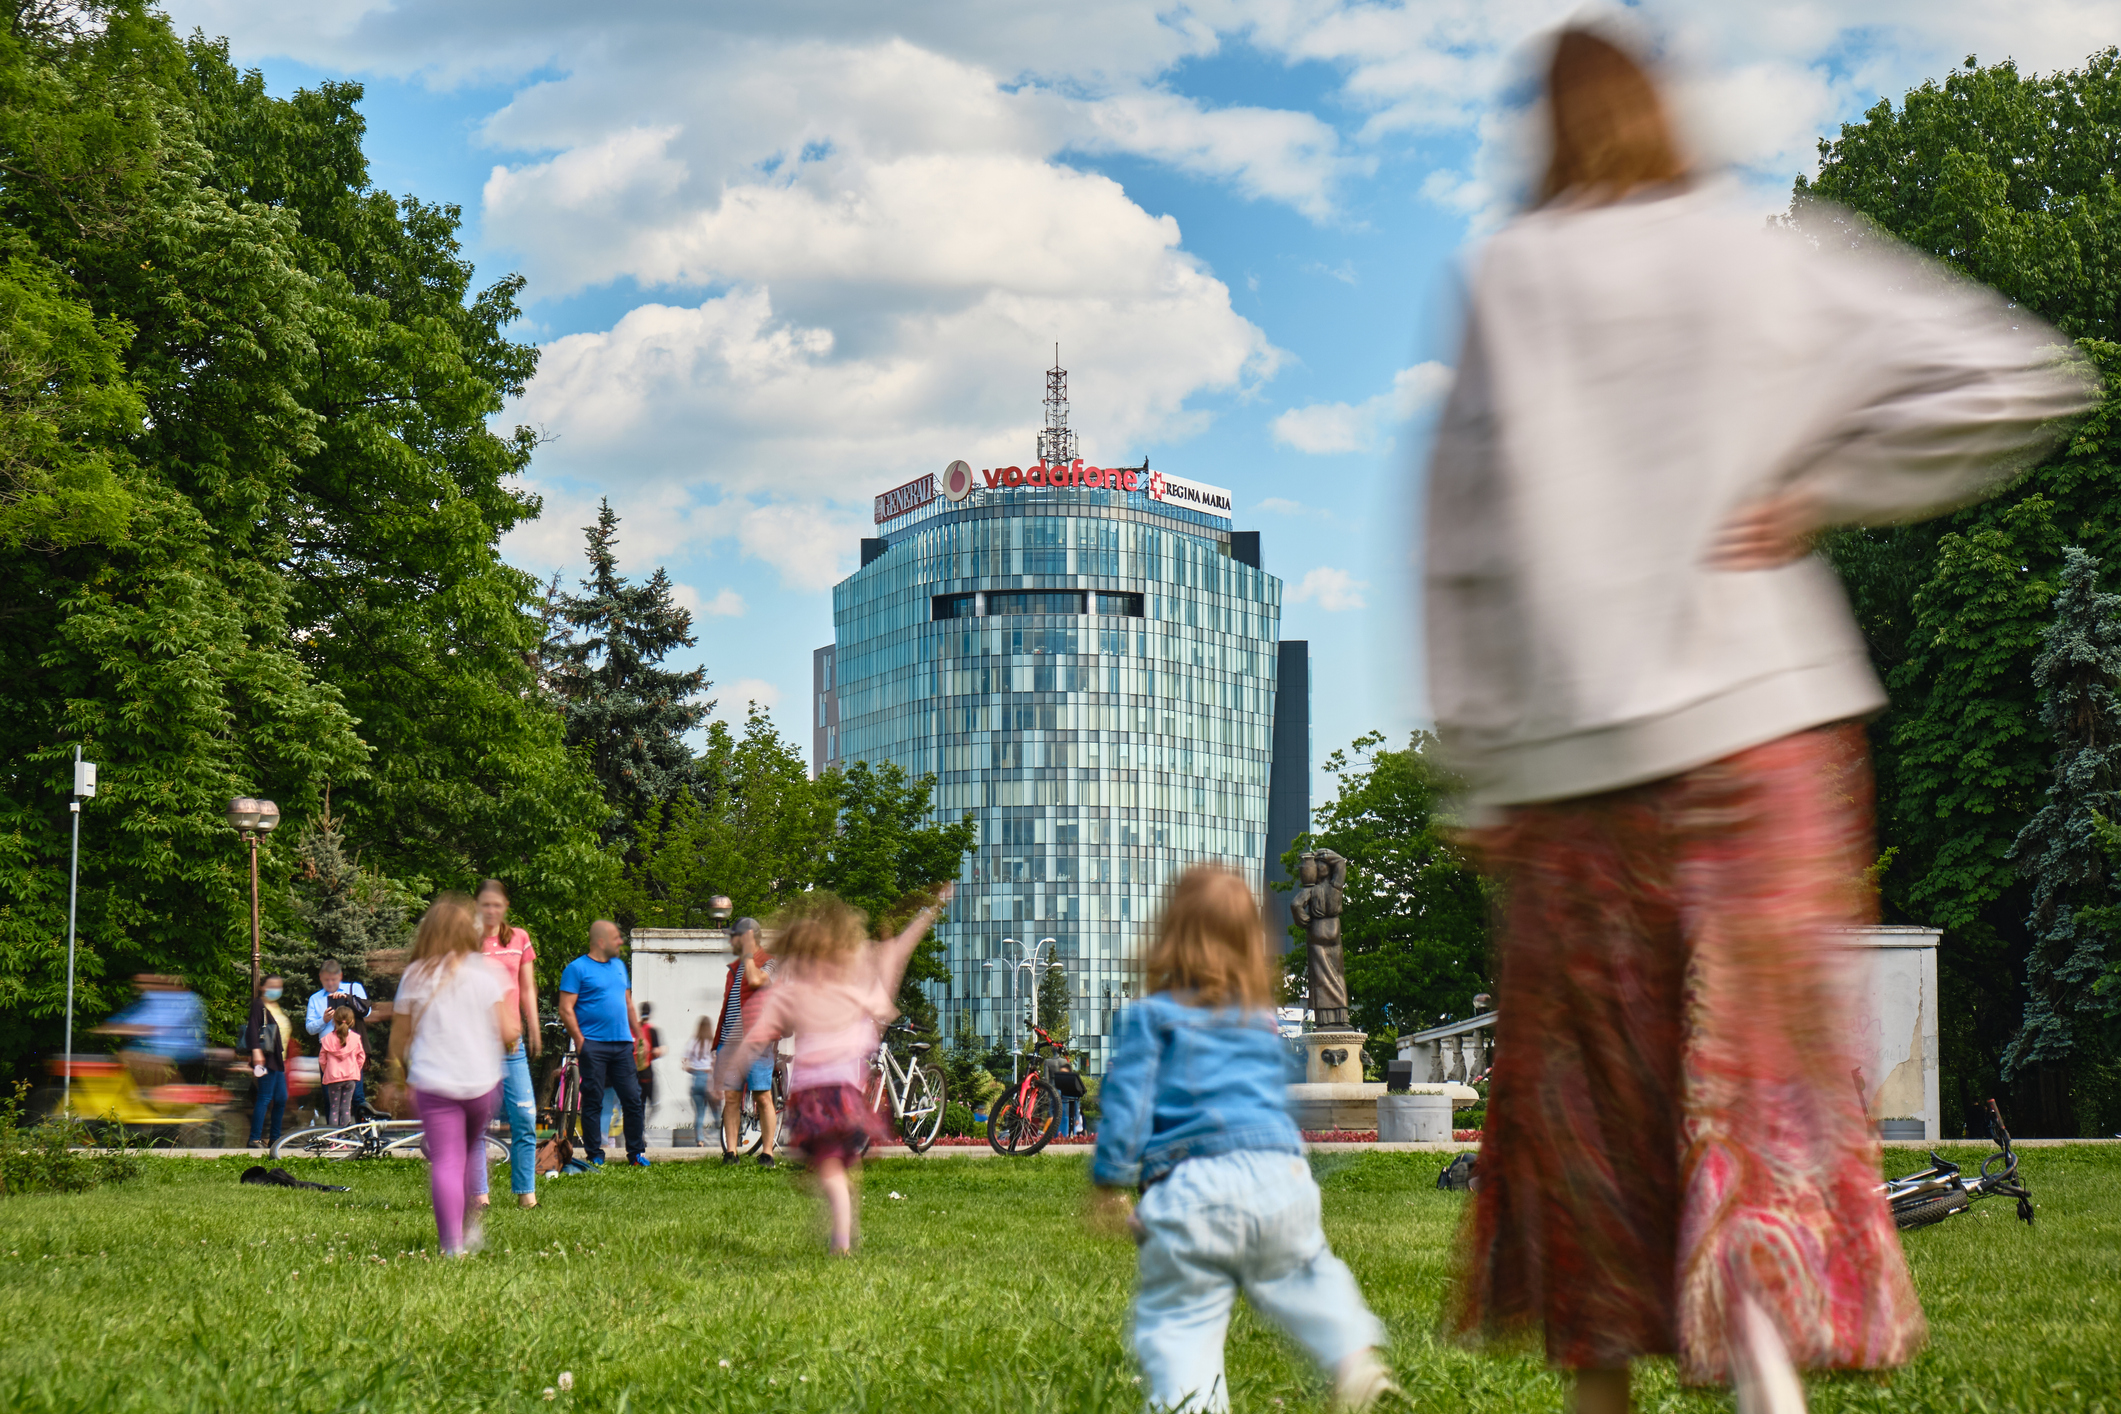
(894, 954)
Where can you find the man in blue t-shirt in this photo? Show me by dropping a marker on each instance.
(596, 1006)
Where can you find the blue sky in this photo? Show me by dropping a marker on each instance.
(784, 257)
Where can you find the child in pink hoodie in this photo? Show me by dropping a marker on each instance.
(341, 1055)
(834, 992)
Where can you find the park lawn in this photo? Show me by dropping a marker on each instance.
(978, 1290)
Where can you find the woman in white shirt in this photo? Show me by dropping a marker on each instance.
(1653, 689)
(699, 1064)
(451, 1025)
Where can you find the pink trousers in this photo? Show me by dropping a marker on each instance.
(456, 1155)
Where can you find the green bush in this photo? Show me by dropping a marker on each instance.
(55, 1155)
(958, 1121)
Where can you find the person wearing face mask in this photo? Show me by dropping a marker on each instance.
(270, 1043)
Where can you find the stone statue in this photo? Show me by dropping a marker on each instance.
(1316, 906)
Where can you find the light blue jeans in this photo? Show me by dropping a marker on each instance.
(1229, 1222)
(519, 1106)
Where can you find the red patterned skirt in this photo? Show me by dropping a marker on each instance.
(834, 1122)
(1673, 1120)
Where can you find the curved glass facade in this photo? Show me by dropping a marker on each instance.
(1091, 674)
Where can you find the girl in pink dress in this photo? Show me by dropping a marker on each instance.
(834, 993)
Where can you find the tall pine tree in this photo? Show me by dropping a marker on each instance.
(2063, 849)
(628, 711)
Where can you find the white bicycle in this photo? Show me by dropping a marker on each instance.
(917, 1092)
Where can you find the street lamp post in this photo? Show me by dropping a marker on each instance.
(1026, 961)
(84, 789)
(252, 818)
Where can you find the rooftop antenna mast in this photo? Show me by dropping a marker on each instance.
(1056, 444)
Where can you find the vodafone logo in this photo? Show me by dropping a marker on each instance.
(1075, 473)
(957, 481)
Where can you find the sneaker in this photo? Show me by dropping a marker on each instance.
(474, 1238)
(257, 1144)
(729, 1158)
(596, 1161)
(639, 1161)
(765, 1161)
(1362, 1382)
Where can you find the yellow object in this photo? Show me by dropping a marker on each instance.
(105, 1089)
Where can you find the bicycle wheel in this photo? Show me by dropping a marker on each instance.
(1932, 1209)
(749, 1132)
(923, 1118)
(1036, 1129)
(413, 1146)
(319, 1141)
(1001, 1124)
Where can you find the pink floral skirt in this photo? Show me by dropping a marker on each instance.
(1673, 1119)
(834, 1122)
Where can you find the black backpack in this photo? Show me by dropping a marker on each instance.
(1458, 1174)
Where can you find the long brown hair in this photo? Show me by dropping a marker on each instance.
(1610, 131)
(1210, 945)
(448, 930)
(508, 919)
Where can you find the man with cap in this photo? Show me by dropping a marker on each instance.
(749, 971)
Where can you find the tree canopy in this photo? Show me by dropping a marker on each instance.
(249, 511)
(2008, 178)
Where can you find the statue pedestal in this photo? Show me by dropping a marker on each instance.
(1333, 1057)
(1333, 1094)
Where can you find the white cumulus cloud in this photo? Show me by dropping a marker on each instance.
(1333, 590)
(1326, 428)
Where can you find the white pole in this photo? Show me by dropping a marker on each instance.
(73, 888)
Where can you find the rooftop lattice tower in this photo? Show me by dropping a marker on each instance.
(1056, 444)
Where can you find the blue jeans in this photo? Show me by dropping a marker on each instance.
(1246, 1221)
(699, 1105)
(519, 1106)
(272, 1094)
(609, 1064)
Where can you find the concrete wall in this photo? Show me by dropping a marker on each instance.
(1895, 984)
(681, 972)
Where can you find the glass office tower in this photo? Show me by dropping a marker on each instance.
(1091, 674)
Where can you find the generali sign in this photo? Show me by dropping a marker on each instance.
(959, 480)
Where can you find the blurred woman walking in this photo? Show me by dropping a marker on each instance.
(1652, 689)
(509, 951)
(451, 1025)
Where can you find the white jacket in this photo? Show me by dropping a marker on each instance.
(1632, 375)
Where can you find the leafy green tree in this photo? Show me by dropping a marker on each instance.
(1414, 918)
(2007, 178)
(249, 509)
(1053, 999)
(887, 861)
(754, 828)
(2062, 848)
(625, 710)
(338, 910)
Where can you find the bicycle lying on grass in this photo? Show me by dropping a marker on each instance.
(378, 1137)
(1937, 1192)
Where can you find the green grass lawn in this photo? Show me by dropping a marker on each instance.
(978, 1290)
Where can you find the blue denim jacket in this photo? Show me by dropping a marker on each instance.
(1189, 1081)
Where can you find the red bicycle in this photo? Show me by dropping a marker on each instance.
(1024, 1121)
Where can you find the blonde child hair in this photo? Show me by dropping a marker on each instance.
(341, 1021)
(448, 931)
(1210, 947)
(821, 930)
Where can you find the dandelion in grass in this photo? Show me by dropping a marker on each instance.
(566, 1379)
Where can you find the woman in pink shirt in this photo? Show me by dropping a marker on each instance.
(834, 992)
(514, 960)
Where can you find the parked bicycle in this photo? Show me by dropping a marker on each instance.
(1025, 1120)
(378, 1137)
(917, 1092)
(1939, 1191)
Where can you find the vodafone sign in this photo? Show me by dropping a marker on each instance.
(959, 481)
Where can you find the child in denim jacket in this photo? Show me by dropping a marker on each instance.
(1195, 1113)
